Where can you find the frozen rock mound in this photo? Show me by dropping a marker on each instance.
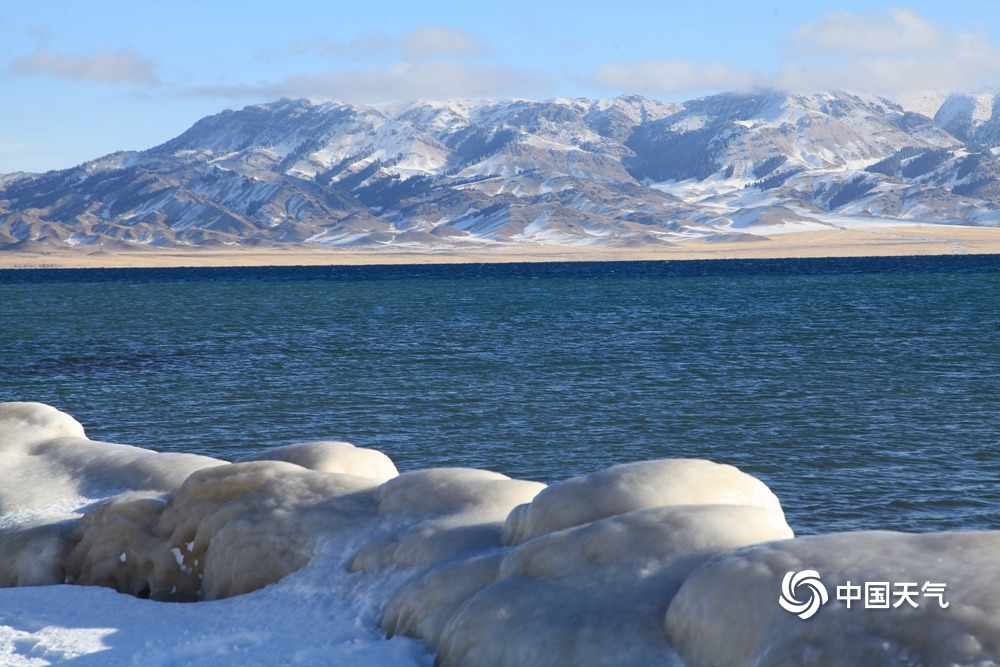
(668, 562)
(727, 614)
(569, 595)
(633, 486)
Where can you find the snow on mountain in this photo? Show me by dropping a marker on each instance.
(621, 171)
(973, 118)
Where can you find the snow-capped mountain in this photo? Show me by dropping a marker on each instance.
(624, 171)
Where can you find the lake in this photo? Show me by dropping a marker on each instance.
(864, 391)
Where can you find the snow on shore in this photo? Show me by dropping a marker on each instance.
(321, 553)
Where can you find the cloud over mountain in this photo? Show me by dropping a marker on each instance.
(405, 80)
(889, 53)
(666, 77)
(886, 53)
(125, 66)
(895, 31)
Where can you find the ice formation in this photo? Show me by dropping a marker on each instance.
(726, 613)
(633, 486)
(667, 562)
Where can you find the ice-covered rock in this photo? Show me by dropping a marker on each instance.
(50, 462)
(595, 594)
(727, 613)
(433, 516)
(329, 456)
(631, 486)
(227, 530)
(665, 562)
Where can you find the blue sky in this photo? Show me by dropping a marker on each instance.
(82, 79)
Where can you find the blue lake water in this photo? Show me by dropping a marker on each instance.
(864, 392)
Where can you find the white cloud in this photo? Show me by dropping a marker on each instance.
(433, 41)
(895, 31)
(672, 76)
(886, 53)
(424, 42)
(428, 62)
(119, 67)
(326, 47)
(892, 76)
(399, 81)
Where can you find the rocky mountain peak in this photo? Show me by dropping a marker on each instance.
(620, 171)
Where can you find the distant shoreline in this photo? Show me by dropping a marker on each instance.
(881, 240)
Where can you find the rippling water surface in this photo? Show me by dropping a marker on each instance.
(864, 392)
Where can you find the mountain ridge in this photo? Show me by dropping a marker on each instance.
(619, 172)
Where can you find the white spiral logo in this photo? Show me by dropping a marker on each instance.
(817, 593)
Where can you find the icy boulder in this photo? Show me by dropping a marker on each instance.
(727, 614)
(331, 456)
(433, 516)
(166, 525)
(485, 569)
(595, 594)
(426, 602)
(56, 465)
(437, 539)
(631, 486)
(26, 423)
(588, 567)
(439, 531)
(226, 531)
(591, 593)
(50, 472)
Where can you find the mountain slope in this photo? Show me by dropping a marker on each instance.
(617, 172)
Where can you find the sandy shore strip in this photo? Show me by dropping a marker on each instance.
(870, 241)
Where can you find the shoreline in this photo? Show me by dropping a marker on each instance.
(866, 241)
